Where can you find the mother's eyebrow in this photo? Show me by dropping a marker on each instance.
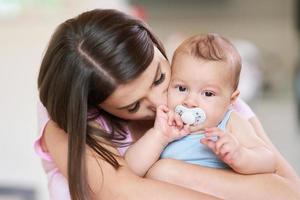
(158, 69)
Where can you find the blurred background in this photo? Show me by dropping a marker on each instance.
(265, 32)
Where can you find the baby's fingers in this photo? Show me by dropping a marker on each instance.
(210, 144)
(210, 132)
(184, 130)
(163, 108)
(222, 141)
(161, 111)
(178, 120)
(171, 119)
(224, 150)
(228, 159)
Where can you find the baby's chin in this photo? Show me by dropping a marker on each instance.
(197, 128)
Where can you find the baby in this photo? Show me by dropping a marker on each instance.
(205, 75)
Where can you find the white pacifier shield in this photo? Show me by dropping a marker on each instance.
(188, 118)
(200, 115)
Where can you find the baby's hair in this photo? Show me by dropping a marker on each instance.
(213, 47)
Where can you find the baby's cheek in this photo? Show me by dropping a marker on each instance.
(171, 100)
(219, 117)
(213, 117)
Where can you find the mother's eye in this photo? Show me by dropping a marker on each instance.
(160, 79)
(134, 108)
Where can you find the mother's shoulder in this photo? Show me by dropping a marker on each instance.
(52, 135)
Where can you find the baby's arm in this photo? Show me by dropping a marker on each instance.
(240, 148)
(146, 151)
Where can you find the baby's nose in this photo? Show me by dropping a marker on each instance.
(190, 103)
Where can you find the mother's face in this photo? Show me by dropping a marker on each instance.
(138, 99)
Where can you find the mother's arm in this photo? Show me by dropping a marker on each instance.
(229, 185)
(284, 168)
(110, 184)
(225, 184)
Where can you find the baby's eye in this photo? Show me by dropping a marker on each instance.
(208, 93)
(181, 88)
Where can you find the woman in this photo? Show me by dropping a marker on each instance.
(101, 79)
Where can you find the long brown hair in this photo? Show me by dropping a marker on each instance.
(87, 58)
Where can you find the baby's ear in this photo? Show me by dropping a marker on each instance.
(234, 96)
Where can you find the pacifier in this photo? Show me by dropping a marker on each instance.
(191, 116)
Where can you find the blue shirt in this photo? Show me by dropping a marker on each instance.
(191, 150)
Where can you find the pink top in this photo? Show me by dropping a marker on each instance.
(57, 183)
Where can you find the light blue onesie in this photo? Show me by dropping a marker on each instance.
(191, 150)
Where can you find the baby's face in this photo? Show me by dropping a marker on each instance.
(200, 83)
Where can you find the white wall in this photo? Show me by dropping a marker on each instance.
(21, 47)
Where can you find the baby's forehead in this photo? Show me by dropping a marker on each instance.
(193, 69)
(183, 61)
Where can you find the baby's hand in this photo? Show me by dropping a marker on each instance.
(169, 124)
(224, 145)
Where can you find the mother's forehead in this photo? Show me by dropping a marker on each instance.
(128, 93)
